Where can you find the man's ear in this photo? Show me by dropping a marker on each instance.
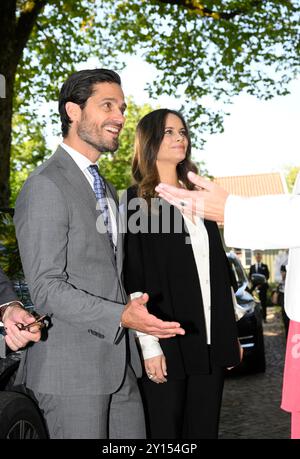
(73, 111)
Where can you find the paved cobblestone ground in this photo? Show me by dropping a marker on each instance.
(251, 403)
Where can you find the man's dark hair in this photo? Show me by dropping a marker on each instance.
(78, 88)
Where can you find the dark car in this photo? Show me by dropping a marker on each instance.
(250, 326)
(20, 417)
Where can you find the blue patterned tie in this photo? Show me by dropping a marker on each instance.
(99, 189)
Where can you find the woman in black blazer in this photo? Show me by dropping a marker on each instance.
(181, 264)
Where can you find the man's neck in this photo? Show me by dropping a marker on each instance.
(83, 148)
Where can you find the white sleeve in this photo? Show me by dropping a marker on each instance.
(264, 222)
(149, 344)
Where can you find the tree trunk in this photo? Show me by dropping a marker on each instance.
(8, 70)
(15, 30)
(5, 139)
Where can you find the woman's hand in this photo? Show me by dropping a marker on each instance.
(156, 368)
(241, 355)
(241, 352)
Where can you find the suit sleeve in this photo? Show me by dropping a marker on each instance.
(42, 227)
(7, 292)
(264, 222)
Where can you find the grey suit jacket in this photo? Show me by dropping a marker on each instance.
(72, 273)
(7, 292)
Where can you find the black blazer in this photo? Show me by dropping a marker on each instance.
(163, 265)
(263, 269)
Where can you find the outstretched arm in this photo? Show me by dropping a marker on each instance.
(279, 215)
(207, 200)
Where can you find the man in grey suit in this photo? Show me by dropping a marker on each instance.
(84, 375)
(12, 312)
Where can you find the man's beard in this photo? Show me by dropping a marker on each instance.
(88, 133)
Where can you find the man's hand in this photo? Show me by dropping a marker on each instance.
(156, 368)
(207, 200)
(16, 338)
(136, 316)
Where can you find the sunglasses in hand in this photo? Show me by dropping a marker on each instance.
(41, 322)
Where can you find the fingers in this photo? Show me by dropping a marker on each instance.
(170, 193)
(143, 299)
(15, 338)
(164, 366)
(161, 333)
(33, 335)
(156, 369)
(27, 318)
(199, 181)
(137, 317)
(164, 330)
(158, 335)
(241, 355)
(241, 352)
(11, 344)
(156, 325)
(165, 334)
(18, 315)
(183, 200)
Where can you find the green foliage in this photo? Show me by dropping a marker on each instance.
(66, 34)
(27, 152)
(117, 167)
(210, 49)
(291, 175)
(9, 254)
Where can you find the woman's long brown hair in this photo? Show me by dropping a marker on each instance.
(149, 135)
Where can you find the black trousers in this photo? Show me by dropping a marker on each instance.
(184, 408)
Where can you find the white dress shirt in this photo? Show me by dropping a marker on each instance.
(199, 239)
(83, 163)
(200, 245)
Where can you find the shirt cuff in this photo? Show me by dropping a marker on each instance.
(150, 346)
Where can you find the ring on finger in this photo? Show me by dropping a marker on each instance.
(182, 204)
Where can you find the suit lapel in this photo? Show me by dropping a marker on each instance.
(115, 208)
(83, 191)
